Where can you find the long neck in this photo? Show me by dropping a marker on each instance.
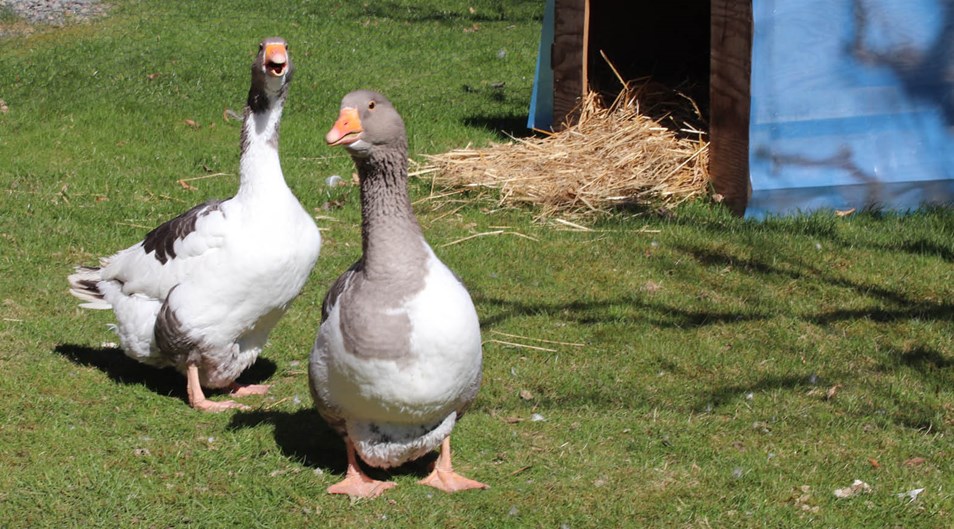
(391, 237)
(260, 169)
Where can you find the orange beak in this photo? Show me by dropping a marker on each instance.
(276, 59)
(345, 131)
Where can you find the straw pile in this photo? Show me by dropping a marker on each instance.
(614, 156)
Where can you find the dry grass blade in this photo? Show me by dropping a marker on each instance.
(614, 156)
(521, 345)
(508, 335)
(486, 233)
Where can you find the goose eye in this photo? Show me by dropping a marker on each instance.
(261, 46)
(371, 105)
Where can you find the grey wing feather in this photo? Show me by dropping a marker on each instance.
(331, 416)
(337, 288)
(171, 340)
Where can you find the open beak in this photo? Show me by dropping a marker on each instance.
(346, 130)
(276, 60)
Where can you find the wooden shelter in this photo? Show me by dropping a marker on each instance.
(812, 104)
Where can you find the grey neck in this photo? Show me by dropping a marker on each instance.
(392, 243)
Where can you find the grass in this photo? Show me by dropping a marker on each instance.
(699, 395)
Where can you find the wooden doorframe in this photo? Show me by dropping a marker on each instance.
(568, 59)
(730, 82)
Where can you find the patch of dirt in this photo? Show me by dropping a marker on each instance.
(21, 17)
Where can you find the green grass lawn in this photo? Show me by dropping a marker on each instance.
(691, 371)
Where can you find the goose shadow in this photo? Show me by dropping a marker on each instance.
(304, 437)
(163, 381)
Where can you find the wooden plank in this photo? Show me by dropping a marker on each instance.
(585, 67)
(568, 59)
(729, 100)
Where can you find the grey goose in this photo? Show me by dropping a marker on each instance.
(397, 359)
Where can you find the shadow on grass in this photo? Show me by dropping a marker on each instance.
(931, 365)
(826, 228)
(926, 247)
(710, 399)
(505, 127)
(797, 268)
(609, 311)
(167, 381)
(504, 11)
(306, 438)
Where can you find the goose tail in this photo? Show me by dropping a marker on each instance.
(84, 284)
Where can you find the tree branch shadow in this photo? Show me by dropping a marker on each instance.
(930, 364)
(602, 311)
(411, 13)
(709, 399)
(798, 269)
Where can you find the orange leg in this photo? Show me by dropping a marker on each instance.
(197, 398)
(443, 477)
(356, 483)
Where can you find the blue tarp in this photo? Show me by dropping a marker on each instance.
(852, 104)
(541, 101)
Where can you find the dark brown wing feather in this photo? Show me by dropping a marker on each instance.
(162, 239)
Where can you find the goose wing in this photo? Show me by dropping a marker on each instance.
(168, 254)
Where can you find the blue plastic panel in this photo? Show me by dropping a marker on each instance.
(541, 100)
(852, 104)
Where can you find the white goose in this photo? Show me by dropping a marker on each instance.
(397, 359)
(202, 291)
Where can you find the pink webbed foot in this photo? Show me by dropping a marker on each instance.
(197, 398)
(450, 481)
(443, 476)
(360, 486)
(215, 406)
(242, 390)
(356, 483)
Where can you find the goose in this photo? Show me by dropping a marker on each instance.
(397, 358)
(202, 291)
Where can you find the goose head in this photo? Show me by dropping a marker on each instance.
(367, 122)
(272, 69)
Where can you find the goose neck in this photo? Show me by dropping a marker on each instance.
(391, 236)
(259, 165)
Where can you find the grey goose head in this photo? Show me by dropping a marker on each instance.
(367, 123)
(271, 74)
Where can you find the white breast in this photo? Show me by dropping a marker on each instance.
(444, 359)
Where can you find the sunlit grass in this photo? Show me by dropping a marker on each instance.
(691, 371)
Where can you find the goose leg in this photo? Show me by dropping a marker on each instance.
(443, 476)
(356, 483)
(197, 398)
